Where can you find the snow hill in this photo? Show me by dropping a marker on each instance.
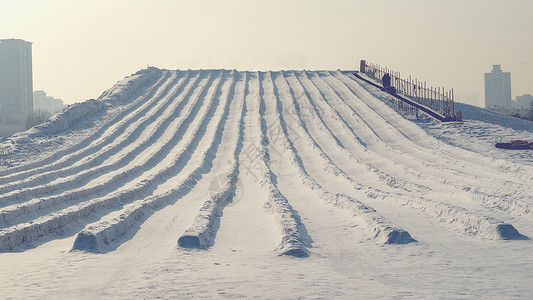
(226, 184)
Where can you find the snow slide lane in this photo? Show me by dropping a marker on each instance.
(202, 233)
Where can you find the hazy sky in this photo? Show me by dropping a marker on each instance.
(81, 48)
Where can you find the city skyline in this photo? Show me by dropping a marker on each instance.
(81, 50)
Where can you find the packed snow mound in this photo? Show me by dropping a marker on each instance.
(299, 181)
(162, 135)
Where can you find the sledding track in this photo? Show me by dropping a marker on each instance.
(303, 141)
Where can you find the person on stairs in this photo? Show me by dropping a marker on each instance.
(386, 81)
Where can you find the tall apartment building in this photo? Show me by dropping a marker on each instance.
(498, 88)
(16, 82)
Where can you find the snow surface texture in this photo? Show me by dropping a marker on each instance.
(180, 184)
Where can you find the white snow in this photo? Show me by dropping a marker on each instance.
(291, 184)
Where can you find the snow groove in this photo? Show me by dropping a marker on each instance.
(9, 213)
(289, 222)
(351, 158)
(12, 236)
(470, 222)
(383, 230)
(408, 170)
(201, 234)
(94, 164)
(419, 144)
(467, 176)
(415, 182)
(139, 82)
(96, 236)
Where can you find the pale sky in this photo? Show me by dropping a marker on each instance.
(81, 48)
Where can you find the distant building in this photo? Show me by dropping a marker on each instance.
(520, 107)
(16, 80)
(498, 89)
(523, 101)
(47, 103)
(16, 84)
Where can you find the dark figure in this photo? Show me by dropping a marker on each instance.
(386, 80)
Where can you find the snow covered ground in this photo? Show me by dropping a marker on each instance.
(280, 185)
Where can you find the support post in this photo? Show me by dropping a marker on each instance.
(362, 67)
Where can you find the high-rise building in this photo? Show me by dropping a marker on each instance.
(498, 88)
(16, 82)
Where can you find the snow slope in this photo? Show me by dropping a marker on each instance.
(226, 184)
